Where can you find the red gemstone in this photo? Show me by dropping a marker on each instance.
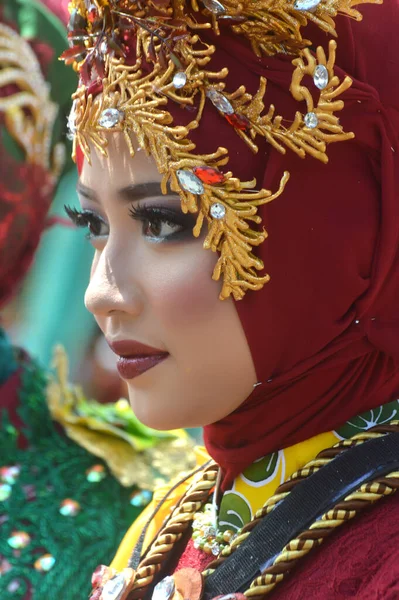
(98, 575)
(209, 175)
(238, 121)
(92, 13)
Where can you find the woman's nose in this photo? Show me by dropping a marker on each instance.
(112, 287)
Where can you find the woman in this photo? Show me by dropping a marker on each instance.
(169, 143)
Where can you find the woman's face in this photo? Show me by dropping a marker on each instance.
(184, 354)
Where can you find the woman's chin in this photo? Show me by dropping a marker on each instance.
(153, 411)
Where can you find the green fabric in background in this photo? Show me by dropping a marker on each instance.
(53, 300)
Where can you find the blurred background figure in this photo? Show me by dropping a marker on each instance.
(49, 307)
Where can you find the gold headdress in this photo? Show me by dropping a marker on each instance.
(139, 55)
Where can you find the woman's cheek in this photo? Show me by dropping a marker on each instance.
(181, 286)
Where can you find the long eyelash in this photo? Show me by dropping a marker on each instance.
(79, 218)
(82, 219)
(142, 212)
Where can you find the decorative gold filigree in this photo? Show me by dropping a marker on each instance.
(167, 38)
(29, 113)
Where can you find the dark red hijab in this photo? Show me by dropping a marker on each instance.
(324, 333)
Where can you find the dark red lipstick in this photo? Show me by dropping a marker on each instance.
(135, 358)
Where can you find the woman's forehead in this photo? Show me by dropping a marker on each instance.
(118, 169)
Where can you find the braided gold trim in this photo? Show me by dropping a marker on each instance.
(367, 495)
(173, 530)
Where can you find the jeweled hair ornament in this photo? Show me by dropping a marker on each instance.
(136, 58)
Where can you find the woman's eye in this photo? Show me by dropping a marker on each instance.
(163, 223)
(87, 219)
(156, 228)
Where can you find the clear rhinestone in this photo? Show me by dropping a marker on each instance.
(220, 101)
(210, 531)
(218, 211)
(197, 544)
(311, 120)
(164, 590)
(179, 80)
(306, 4)
(190, 182)
(214, 6)
(215, 549)
(110, 117)
(113, 589)
(320, 77)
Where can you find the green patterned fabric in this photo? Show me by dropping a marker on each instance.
(262, 478)
(53, 468)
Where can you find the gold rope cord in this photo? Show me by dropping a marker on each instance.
(167, 39)
(179, 521)
(345, 510)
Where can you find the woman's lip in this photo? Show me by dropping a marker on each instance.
(133, 366)
(133, 349)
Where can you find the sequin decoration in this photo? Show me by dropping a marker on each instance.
(9, 474)
(205, 534)
(141, 498)
(110, 117)
(214, 6)
(5, 491)
(311, 120)
(179, 80)
(164, 590)
(320, 77)
(306, 4)
(113, 589)
(19, 540)
(238, 121)
(219, 101)
(190, 182)
(218, 211)
(209, 175)
(69, 508)
(45, 563)
(5, 566)
(96, 474)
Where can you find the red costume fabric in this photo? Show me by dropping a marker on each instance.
(324, 332)
(359, 560)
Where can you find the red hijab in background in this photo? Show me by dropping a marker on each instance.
(324, 333)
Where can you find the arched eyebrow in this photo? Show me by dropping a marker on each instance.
(129, 193)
